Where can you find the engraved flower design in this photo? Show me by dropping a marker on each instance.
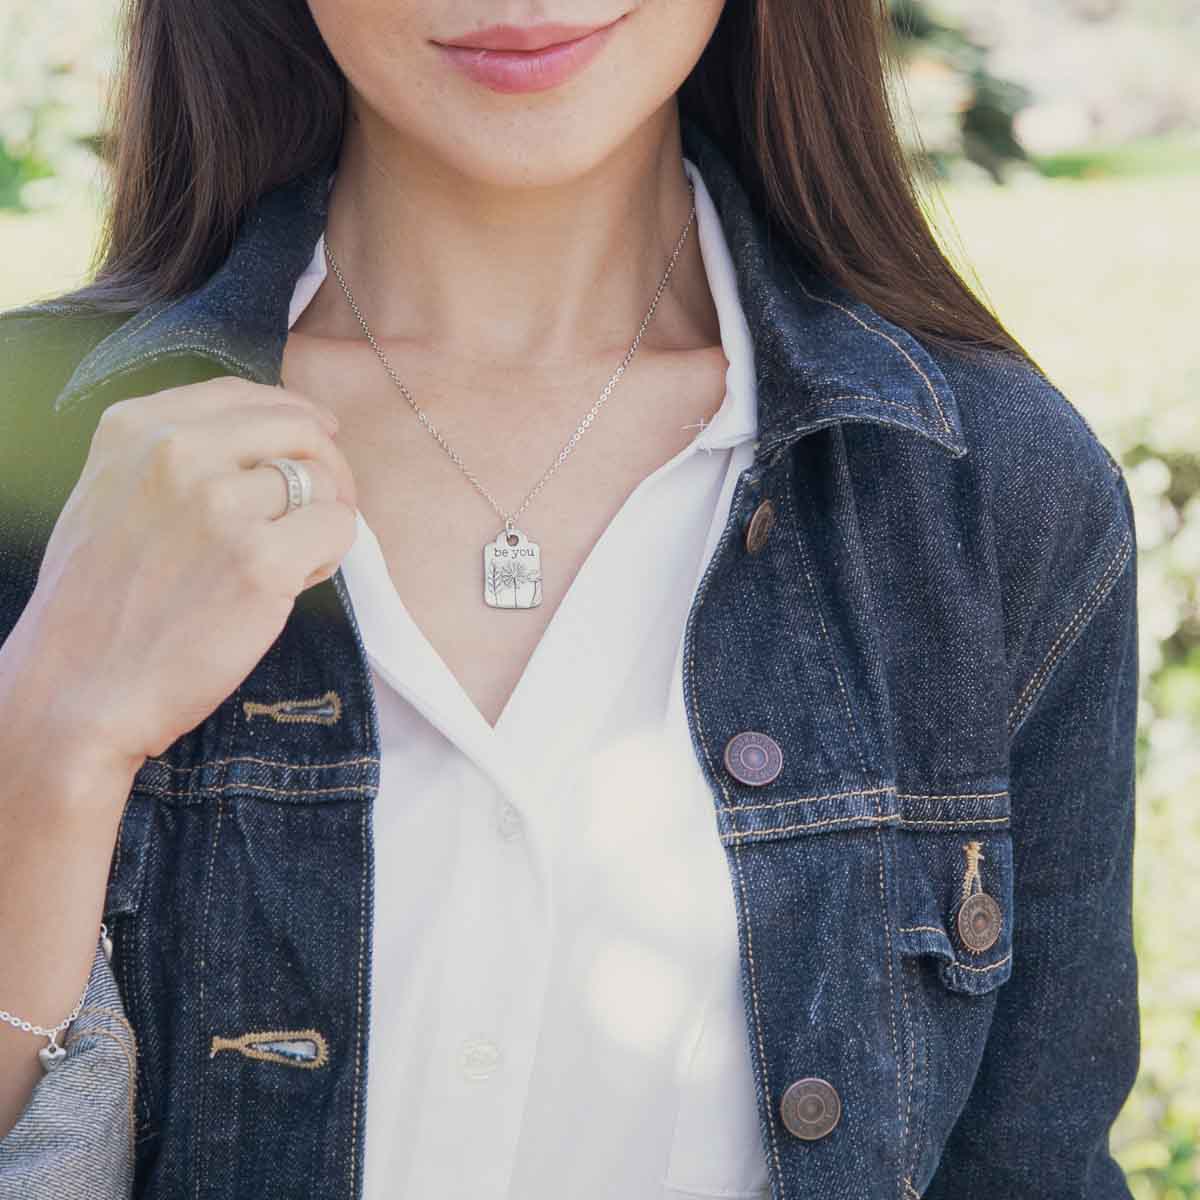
(514, 573)
(511, 574)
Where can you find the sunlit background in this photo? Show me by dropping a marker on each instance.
(1061, 144)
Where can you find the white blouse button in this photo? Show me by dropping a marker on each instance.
(478, 1057)
(509, 822)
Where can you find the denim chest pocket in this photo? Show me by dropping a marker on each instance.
(955, 890)
(954, 897)
(238, 901)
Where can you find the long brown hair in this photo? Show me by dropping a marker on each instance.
(203, 118)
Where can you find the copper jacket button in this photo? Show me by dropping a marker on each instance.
(979, 921)
(810, 1108)
(759, 527)
(753, 758)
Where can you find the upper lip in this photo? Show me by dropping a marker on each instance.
(522, 37)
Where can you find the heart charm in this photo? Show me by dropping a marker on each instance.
(51, 1056)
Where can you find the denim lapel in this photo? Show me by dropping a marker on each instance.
(821, 355)
(238, 317)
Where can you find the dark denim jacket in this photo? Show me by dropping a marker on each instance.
(939, 632)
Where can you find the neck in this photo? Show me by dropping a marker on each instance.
(508, 275)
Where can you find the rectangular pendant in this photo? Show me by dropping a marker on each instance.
(512, 571)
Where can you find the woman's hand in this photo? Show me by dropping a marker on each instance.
(167, 575)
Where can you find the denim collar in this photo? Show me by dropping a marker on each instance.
(821, 355)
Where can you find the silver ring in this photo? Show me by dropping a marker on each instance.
(298, 480)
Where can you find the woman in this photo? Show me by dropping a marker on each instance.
(731, 798)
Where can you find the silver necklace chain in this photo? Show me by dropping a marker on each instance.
(510, 519)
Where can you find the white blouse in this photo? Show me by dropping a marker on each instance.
(557, 1008)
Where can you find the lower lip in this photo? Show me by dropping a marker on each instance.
(528, 70)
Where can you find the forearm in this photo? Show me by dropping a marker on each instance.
(76, 1135)
(60, 806)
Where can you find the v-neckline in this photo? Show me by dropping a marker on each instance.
(572, 647)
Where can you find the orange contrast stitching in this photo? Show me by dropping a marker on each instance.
(248, 1044)
(362, 935)
(887, 338)
(286, 710)
(1091, 603)
(130, 1053)
(266, 762)
(762, 1057)
(741, 835)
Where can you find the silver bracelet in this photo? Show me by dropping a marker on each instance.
(52, 1053)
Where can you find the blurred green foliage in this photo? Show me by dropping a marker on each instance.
(962, 109)
(1164, 155)
(55, 59)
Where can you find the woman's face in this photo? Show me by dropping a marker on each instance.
(513, 118)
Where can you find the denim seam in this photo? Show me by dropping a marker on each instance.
(267, 762)
(859, 395)
(740, 835)
(350, 789)
(741, 808)
(40, 308)
(223, 359)
(130, 1053)
(952, 796)
(1103, 587)
(200, 1015)
(865, 396)
(887, 937)
(116, 1016)
(116, 859)
(907, 821)
(888, 338)
(358, 1029)
(187, 331)
(126, 330)
(957, 962)
(919, 1140)
(816, 598)
(1055, 650)
(132, 330)
(912, 1064)
(962, 966)
(125, 955)
(737, 860)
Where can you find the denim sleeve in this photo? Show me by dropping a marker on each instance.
(74, 1141)
(1063, 1048)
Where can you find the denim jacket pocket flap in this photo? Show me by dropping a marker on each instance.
(955, 887)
